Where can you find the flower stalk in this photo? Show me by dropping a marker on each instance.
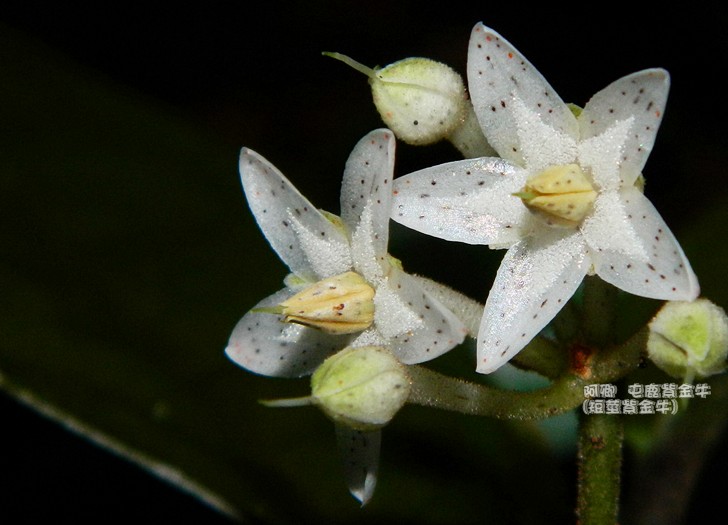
(601, 436)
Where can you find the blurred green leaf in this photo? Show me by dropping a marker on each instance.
(128, 255)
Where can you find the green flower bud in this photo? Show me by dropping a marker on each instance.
(422, 101)
(361, 387)
(689, 339)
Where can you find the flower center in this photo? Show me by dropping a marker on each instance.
(562, 194)
(342, 304)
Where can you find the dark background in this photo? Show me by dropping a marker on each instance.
(252, 75)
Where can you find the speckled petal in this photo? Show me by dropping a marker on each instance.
(641, 96)
(603, 154)
(367, 183)
(439, 330)
(327, 253)
(497, 75)
(276, 203)
(468, 201)
(665, 274)
(263, 344)
(535, 280)
(360, 454)
(610, 229)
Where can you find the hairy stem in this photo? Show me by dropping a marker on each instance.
(436, 390)
(600, 435)
(600, 463)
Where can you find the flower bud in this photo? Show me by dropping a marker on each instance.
(342, 304)
(689, 339)
(361, 387)
(422, 101)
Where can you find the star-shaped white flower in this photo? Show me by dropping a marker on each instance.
(413, 325)
(564, 197)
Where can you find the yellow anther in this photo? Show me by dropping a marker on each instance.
(561, 192)
(342, 304)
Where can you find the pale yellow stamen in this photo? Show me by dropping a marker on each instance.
(563, 193)
(342, 304)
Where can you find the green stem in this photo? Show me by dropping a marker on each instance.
(436, 390)
(566, 392)
(600, 435)
(600, 463)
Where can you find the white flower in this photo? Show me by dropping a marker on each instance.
(321, 249)
(555, 235)
(318, 246)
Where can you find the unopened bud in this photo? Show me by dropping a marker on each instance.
(362, 387)
(342, 304)
(689, 339)
(562, 193)
(422, 101)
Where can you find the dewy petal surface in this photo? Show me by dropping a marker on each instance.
(467, 201)
(276, 204)
(665, 274)
(498, 74)
(535, 280)
(262, 343)
(640, 96)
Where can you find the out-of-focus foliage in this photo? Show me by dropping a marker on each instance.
(128, 254)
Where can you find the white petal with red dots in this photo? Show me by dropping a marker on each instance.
(535, 280)
(640, 96)
(665, 274)
(367, 183)
(275, 203)
(360, 453)
(466, 201)
(497, 75)
(438, 330)
(262, 343)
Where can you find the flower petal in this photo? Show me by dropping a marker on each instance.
(641, 96)
(328, 253)
(360, 453)
(665, 274)
(439, 329)
(603, 154)
(535, 280)
(610, 229)
(497, 75)
(276, 204)
(393, 316)
(468, 201)
(367, 183)
(263, 344)
(365, 248)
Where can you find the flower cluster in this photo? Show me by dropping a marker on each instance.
(345, 291)
(561, 189)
